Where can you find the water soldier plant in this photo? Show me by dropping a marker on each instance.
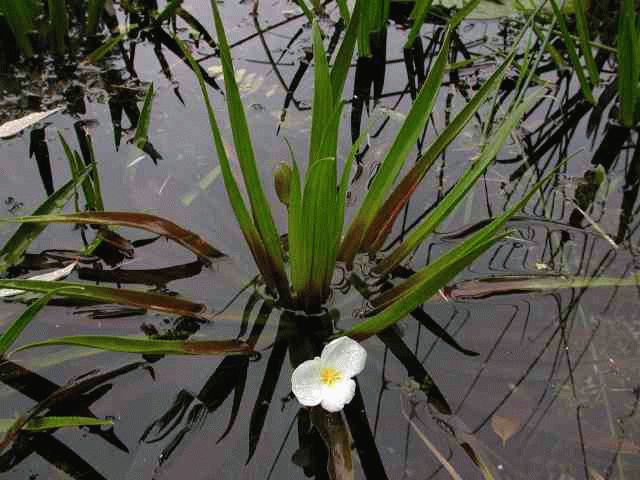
(299, 278)
(297, 274)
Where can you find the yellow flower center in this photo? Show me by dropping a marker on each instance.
(329, 376)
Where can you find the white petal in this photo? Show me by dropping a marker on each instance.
(306, 384)
(345, 355)
(47, 277)
(338, 395)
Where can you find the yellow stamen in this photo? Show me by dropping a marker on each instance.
(329, 376)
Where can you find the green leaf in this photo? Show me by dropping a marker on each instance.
(343, 59)
(573, 54)
(323, 103)
(390, 168)
(92, 197)
(244, 150)
(383, 222)
(94, 12)
(109, 45)
(421, 286)
(628, 62)
(14, 331)
(298, 261)
(585, 42)
(419, 15)
(59, 23)
(11, 253)
(143, 221)
(271, 277)
(319, 204)
(120, 296)
(142, 130)
(146, 346)
(18, 16)
(462, 186)
(52, 422)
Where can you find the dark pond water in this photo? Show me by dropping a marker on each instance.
(556, 375)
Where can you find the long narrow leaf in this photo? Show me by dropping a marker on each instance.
(143, 221)
(419, 14)
(395, 158)
(12, 252)
(342, 63)
(244, 150)
(383, 222)
(251, 235)
(59, 23)
(18, 17)
(585, 41)
(465, 252)
(323, 104)
(573, 54)
(453, 198)
(53, 422)
(145, 346)
(120, 296)
(13, 332)
(319, 203)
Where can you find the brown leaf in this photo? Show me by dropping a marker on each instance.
(505, 427)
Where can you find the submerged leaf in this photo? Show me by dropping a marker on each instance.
(505, 427)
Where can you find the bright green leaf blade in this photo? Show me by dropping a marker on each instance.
(420, 14)
(11, 253)
(427, 283)
(143, 221)
(319, 203)
(340, 69)
(383, 222)
(146, 346)
(571, 50)
(109, 45)
(323, 103)
(297, 259)
(390, 168)
(585, 42)
(120, 296)
(13, 332)
(53, 422)
(464, 250)
(462, 186)
(244, 150)
(142, 130)
(240, 211)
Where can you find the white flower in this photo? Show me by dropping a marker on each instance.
(326, 380)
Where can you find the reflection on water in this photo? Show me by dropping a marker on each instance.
(528, 368)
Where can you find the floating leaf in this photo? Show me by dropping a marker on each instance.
(16, 328)
(13, 127)
(505, 427)
(48, 423)
(144, 221)
(145, 346)
(120, 296)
